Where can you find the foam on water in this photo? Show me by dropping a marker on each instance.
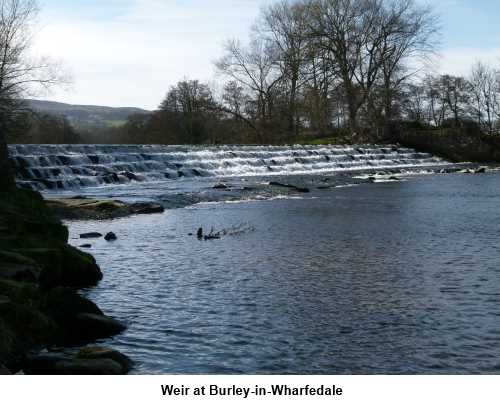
(56, 167)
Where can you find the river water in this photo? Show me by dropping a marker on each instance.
(391, 277)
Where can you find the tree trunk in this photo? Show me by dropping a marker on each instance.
(6, 175)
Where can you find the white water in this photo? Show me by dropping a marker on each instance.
(52, 167)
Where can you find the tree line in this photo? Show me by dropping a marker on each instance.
(352, 70)
(309, 68)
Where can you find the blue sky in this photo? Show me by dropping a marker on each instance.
(128, 52)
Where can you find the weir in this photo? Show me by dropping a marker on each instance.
(52, 167)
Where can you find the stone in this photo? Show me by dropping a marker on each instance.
(56, 364)
(89, 326)
(42, 364)
(20, 272)
(91, 235)
(4, 300)
(220, 186)
(110, 236)
(480, 170)
(89, 367)
(4, 370)
(97, 352)
(86, 246)
(147, 208)
(291, 186)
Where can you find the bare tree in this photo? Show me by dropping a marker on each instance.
(20, 75)
(283, 26)
(485, 86)
(254, 68)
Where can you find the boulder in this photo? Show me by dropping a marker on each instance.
(147, 208)
(42, 364)
(56, 364)
(481, 169)
(91, 235)
(90, 326)
(4, 300)
(86, 246)
(89, 367)
(79, 268)
(220, 186)
(63, 304)
(96, 352)
(110, 236)
(4, 370)
(28, 273)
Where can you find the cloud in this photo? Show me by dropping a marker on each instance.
(459, 61)
(134, 55)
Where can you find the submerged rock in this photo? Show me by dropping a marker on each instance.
(110, 236)
(220, 186)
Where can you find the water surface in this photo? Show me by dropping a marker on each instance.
(400, 277)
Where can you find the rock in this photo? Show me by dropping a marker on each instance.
(481, 169)
(55, 364)
(89, 367)
(42, 364)
(90, 326)
(20, 272)
(130, 176)
(199, 234)
(394, 178)
(147, 208)
(110, 236)
(86, 246)
(291, 186)
(96, 352)
(4, 300)
(220, 186)
(91, 235)
(465, 171)
(76, 269)
(4, 370)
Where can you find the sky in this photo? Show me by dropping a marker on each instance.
(129, 52)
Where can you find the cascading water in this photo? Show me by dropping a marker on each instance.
(52, 167)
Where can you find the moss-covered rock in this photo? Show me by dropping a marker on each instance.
(97, 352)
(36, 266)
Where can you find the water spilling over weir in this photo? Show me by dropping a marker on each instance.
(53, 167)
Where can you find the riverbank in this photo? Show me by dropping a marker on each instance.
(40, 274)
(454, 144)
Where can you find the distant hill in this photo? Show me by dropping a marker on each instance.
(86, 117)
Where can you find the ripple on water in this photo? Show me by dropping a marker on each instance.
(381, 278)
